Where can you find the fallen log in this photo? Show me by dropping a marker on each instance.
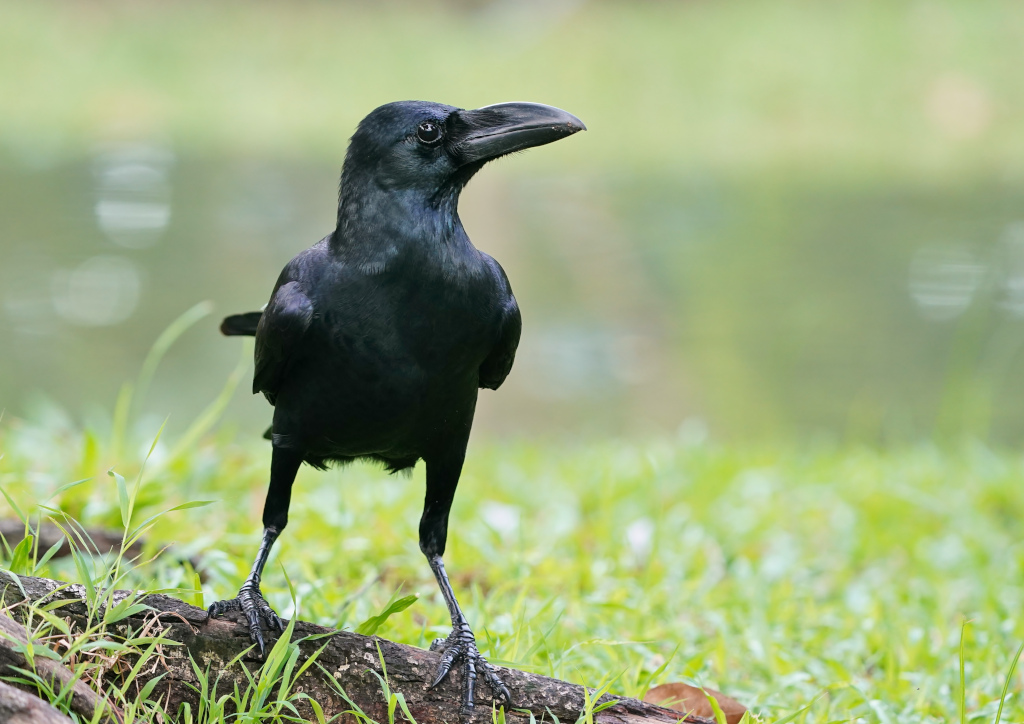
(354, 662)
(13, 662)
(19, 707)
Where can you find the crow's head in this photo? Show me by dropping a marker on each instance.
(434, 148)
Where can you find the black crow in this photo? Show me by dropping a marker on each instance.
(375, 340)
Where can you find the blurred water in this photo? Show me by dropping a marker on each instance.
(741, 308)
(102, 290)
(133, 195)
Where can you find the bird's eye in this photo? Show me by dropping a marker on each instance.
(428, 132)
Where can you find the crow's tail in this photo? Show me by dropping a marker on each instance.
(241, 324)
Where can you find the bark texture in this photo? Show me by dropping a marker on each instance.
(350, 659)
(19, 707)
(84, 701)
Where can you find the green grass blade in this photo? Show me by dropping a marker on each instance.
(370, 626)
(799, 712)
(164, 342)
(65, 488)
(122, 495)
(291, 588)
(50, 552)
(21, 555)
(405, 708)
(1006, 684)
(119, 427)
(963, 681)
(209, 417)
(715, 707)
(14, 506)
(147, 690)
(140, 529)
(123, 610)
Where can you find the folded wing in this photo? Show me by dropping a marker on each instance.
(281, 327)
(498, 364)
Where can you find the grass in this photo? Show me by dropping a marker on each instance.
(835, 580)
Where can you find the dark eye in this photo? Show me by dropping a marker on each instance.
(428, 132)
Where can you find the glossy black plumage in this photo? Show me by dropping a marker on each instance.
(376, 340)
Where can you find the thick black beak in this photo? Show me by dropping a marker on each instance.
(486, 133)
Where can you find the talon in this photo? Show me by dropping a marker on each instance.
(257, 636)
(445, 667)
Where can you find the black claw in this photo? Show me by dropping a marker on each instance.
(445, 666)
(257, 636)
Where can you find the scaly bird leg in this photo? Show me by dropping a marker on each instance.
(284, 464)
(250, 599)
(460, 646)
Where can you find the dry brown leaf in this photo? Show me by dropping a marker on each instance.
(688, 699)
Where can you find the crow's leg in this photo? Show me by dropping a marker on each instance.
(283, 467)
(460, 646)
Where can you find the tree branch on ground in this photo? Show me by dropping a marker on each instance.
(14, 662)
(346, 676)
(20, 707)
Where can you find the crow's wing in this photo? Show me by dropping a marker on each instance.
(281, 327)
(498, 364)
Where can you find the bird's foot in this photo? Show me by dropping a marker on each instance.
(257, 611)
(460, 646)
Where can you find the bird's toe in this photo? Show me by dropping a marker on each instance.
(256, 631)
(269, 615)
(448, 658)
(498, 689)
(499, 692)
(219, 608)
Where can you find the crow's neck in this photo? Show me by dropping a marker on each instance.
(376, 225)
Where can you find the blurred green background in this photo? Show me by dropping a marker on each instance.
(787, 220)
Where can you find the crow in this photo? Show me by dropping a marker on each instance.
(376, 340)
